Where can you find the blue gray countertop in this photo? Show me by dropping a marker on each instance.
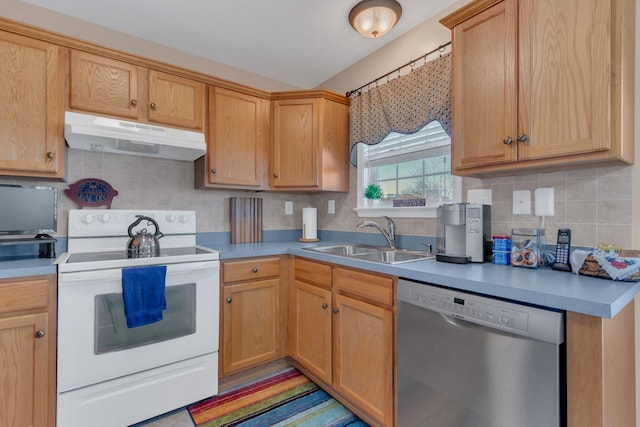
(542, 286)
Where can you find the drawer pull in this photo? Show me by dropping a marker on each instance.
(134, 102)
(523, 138)
(507, 141)
(335, 310)
(152, 105)
(40, 334)
(325, 306)
(229, 300)
(255, 269)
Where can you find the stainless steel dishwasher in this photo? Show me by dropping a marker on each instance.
(468, 360)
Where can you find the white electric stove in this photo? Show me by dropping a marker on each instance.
(111, 375)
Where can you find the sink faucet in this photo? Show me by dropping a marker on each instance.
(390, 235)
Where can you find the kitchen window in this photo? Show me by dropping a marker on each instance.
(414, 171)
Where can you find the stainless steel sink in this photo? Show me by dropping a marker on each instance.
(373, 253)
(395, 256)
(344, 250)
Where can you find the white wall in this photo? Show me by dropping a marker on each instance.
(20, 11)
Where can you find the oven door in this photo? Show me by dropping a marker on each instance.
(94, 343)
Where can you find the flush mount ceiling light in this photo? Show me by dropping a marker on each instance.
(375, 18)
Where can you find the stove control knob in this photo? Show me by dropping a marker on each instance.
(183, 219)
(105, 217)
(88, 219)
(171, 218)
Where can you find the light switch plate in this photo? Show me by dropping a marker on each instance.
(288, 208)
(331, 207)
(522, 202)
(480, 197)
(543, 201)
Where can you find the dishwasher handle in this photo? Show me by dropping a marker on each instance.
(461, 323)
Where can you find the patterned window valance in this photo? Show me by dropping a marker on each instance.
(404, 105)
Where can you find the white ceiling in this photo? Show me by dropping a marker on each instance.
(299, 42)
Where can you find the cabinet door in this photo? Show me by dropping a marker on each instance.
(485, 89)
(310, 338)
(103, 85)
(238, 134)
(24, 373)
(31, 108)
(565, 77)
(363, 356)
(251, 332)
(296, 143)
(175, 101)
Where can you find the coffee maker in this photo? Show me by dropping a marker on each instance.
(464, 233)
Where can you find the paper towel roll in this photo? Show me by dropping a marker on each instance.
(309, 224)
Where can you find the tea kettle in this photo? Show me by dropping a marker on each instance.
(143, 244)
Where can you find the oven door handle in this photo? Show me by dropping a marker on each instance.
(116, 273)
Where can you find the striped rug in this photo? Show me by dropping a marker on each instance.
(286, 398)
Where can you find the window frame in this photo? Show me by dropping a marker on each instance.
(363, 210)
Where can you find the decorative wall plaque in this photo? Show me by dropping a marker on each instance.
(91, 192)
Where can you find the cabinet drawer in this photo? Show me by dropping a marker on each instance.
(23, 295)
(313, 272)
(258, 268)
(370, 287)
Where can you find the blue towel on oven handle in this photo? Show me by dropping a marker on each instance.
(143, 292)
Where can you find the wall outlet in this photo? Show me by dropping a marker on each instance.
(288, 208)
(522, 202)
(543, 201)
(331, 207)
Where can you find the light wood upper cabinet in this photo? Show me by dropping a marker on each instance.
(103, 85)
(31, 108)
(250, 313)
(175, 100)
(238, 132)
(27, 346)
(117, 88)
(310, 141)
(541, 84)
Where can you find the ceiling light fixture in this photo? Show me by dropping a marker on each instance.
(375, 18)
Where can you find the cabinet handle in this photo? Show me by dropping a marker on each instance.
(51, 155)
(134, 102)
(335, 310)
(229, 300)
(153, 105)
(507, 141)
(325, 306)
(213, 171)
(254, 269)
(275, 175)
(523, 138)
(40, 334)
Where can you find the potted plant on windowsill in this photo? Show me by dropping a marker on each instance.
(372, 193)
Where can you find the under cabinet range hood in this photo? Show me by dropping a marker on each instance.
(95, 133)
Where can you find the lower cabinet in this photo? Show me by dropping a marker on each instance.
(341, 334)
(27, 351)
(250, 313)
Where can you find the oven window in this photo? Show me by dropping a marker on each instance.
(178, 320)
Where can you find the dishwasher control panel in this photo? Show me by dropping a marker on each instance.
(508, 316)
(471, 308)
